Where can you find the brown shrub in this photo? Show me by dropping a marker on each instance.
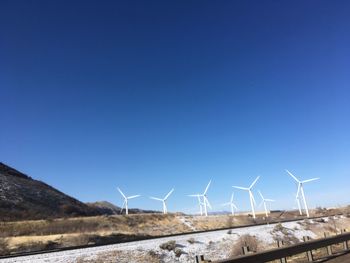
(320, 210)
(307, 224)
(289, 239)
(246, 240)
(287, 236)
(169, 245)
(278, 227)
(191, 240)
(178, 252)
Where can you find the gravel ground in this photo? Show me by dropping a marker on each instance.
(214, 245)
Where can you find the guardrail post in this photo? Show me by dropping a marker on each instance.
(280, 243)
(200, 259)
(345, 243)
(245, 250)
(329, 248)
(309, 255)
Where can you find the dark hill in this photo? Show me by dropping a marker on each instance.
(22, 197)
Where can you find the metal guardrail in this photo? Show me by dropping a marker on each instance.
(283, 252)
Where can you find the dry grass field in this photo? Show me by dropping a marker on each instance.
(22, 236)
(44, 234)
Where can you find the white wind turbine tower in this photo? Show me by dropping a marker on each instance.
(205, 201)
(251, 196)
(199, 202)
(125, 203)
(231, 204)
(301, 190)
(165, 209)
(297, 199)
(264, 201)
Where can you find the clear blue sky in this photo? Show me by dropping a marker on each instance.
(150, 95)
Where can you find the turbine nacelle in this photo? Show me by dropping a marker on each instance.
(165, 209)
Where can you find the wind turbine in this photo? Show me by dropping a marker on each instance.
(205, 201)
(231, 204)
(267, 212)
(301, 190)
(125, 203)
(165, 210)
(199, 202)
(251, 196)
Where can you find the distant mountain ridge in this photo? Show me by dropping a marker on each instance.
(108, 208)
(23, 198)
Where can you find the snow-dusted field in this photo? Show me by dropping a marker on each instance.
(214, 245)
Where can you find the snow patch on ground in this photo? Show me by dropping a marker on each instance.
(187, 223)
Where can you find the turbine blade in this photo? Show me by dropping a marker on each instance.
(310, 180)
(261, 203)
(251, 186)
(199, 200)
(120, 191)
(194, 195)
(242, 188)
(234, 206)
(206, 189)
(207, 201)
(261, 195)
(233, 194)
(155, 198)
(252, 196)
(166, 197)
(298, 191)
(292, 176)
(270, 200)
(133, 196)
(121, 209)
